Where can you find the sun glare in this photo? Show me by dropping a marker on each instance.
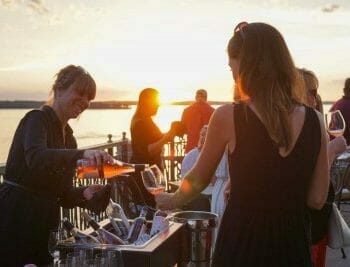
(165, 97)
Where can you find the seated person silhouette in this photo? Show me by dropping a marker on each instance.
(202, 202)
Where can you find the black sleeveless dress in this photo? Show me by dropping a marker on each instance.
(266, 221)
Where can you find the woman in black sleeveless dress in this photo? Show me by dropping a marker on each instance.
(277, 157)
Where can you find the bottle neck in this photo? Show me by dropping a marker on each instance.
(137, 167)
(74, 231)
(143, 213)
(67, 225)
(94, 225)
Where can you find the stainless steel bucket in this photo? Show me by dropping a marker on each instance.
(199, 231)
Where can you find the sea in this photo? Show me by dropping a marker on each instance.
(93, 125)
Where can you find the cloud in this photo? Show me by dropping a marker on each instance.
(329, 8)
(9, 3)
(6, 27)
(6, 2)
(37, 6)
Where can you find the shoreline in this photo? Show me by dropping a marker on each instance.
(29, 104)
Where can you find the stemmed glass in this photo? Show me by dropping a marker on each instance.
(55, 237)
(160, 178)
(335, 123)
(153, 180)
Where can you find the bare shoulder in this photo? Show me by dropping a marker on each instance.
(222, 121)
(224, 112)
(299, 110)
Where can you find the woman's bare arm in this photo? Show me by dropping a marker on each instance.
(220, 133)
(318, 190)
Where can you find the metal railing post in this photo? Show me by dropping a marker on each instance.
(124, 148)
(172, 163)
(110, 149)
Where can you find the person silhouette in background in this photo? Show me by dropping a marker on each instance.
(195, 117)
(215, 190)
(343, 105)
(320, 218)
(147, 140)
(202, 201)
(39, 172)
(277, 157)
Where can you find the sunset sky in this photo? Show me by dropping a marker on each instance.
(175, 46)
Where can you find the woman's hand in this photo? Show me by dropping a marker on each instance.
(177, 128)
(174, 130)
(164, 201)
(91, 190)
(97, 197)
(337, 145)
(97, 156)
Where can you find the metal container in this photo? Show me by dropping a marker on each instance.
(163, 249)
(199, 232)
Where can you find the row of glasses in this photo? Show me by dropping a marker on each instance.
(82, 255)
(55, 237)
(87, 257)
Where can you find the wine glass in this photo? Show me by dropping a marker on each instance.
(335, 123)
(55, 237)
(149, 178)
(160, 178)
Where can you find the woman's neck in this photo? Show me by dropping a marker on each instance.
(60, 114)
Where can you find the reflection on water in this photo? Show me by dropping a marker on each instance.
(93, 126)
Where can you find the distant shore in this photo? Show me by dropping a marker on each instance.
(27, 104)
(23, 104)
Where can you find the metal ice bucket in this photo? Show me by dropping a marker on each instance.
(199, 232)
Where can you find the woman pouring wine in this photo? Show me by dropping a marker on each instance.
(39, 171)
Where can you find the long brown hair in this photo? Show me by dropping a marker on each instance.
(147, 104)
(267, 75)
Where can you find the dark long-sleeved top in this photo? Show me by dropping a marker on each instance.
(42, 159)
(143, 133)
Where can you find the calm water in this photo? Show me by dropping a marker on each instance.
(92, 127)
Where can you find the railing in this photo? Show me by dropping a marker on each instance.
(121, 149)
(2, 171)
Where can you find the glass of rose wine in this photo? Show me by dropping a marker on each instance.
(153, 179)
(335, 123)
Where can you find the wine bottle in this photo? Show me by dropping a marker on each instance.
(105, 236)
(116, 211)
(137, 226)
(117, 230)
(159, 223)
(87, 169)
(79, 236)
